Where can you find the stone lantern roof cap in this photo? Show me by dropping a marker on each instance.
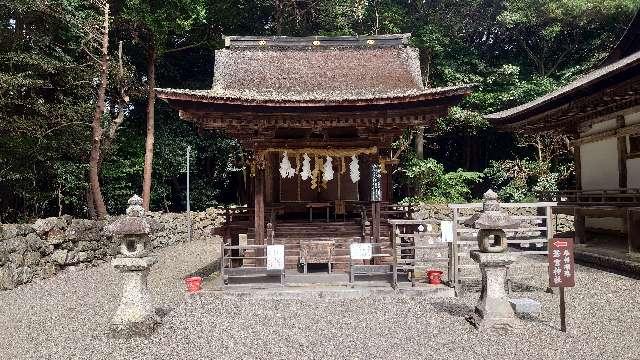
(135, 223)
(492, 216)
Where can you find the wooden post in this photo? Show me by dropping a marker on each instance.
(633, 230)
(578, 166)
(375, 213)
(622, 155)
(563, 311)
(579, 225)
(454, 253)
(259, 209)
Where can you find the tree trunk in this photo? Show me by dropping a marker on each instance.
(96, 125)
(148, 154)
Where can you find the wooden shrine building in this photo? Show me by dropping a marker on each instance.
(601, 111)
(317, 116)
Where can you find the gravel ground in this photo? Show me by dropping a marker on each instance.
(66, 317)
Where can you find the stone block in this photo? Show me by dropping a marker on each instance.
(32, 258)
(59, 257)
(17, 259)
(44, 226)
(7, 277)
(48, 270)
(101, 253)
(87, 245)
(47, 250)
(4, 254)
(34, 242)
(55, 236)
(16, 244)
(84, 230)
(84, 256)
(526, 307)
(23, 275)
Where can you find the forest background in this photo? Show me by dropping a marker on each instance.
(514, 50)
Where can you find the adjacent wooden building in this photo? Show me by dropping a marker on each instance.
(601, 111)
(316, 117)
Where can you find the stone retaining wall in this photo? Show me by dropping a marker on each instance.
(42, 249)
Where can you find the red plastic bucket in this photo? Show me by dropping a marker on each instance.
(434, 277)
(194, 284)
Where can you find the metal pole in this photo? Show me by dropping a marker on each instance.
(188, 200)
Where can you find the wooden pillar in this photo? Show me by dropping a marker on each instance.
(259, 207)
(633, 230)
(578, 166)
(579, 225)
(376, 197)
(622, 155)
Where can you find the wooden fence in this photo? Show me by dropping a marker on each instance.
(531, 238)
(254, 262)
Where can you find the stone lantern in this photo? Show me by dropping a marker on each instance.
(493, 309)
(136, 314)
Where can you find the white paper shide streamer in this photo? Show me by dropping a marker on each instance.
(286, 171)
(354, 169)
(327, 171)
(306, 167)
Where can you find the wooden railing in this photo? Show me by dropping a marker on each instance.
(615, 197)
(408, 237)
(238, 252)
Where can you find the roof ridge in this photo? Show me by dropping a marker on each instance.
(317, 41)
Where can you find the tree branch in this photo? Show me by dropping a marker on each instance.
(185, 47)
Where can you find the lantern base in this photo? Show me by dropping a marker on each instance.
(493, 310)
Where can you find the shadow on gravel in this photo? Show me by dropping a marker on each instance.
(517, 286)
(163, 311)
(206, 270)
(453, 309)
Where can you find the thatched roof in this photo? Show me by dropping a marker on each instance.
(285, 71)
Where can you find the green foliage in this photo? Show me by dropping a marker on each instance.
(514, 50)
(523, 179)
(436, 185)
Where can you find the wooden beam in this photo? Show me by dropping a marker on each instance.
(620, 132)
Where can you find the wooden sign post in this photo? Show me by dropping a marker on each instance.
(561, 271)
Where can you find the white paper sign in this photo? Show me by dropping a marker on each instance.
(446, 229)
(275, 257)
(361, 251)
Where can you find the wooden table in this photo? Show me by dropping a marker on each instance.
(318, 205)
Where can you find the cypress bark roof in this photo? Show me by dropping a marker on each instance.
(315, 70)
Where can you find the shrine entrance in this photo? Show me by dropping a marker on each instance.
(317, 118)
